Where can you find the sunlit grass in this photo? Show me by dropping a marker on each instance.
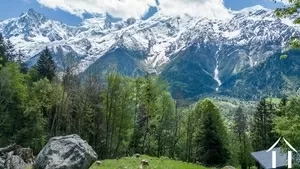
(154, 163)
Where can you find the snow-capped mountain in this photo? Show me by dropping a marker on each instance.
(218, 48)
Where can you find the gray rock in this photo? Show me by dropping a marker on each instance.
(15, 162)
(145, 163)
(99, 163)
(228, 167)
(66, 152)
(2, 161)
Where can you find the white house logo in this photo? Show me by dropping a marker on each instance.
(289, 153)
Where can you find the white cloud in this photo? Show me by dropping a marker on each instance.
(204, 8)
(117, 8)
(137, 8)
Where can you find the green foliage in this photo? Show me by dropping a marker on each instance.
(117, 115)
(286, 124)
(294, 43)
(211, 143)
(39, 100)
(154, 110)
(1, 59)
(46, 66)
(10, 51)
(262, 125)
(283, 57)
(2, 51)
(33, 74)
(240, 129)
(13, 97)
(118, 105)
(292, 118)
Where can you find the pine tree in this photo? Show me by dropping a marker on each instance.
(22, 64)
(280, 109)
(210, 141)
(10, 51)
(3, 59)
(262, 126)
(46, 66)
(240, 129)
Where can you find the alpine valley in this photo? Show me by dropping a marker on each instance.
(238, 57)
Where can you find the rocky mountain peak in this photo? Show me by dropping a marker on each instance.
(219, 48)
(33, 16)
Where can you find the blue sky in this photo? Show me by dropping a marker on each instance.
(13, 8)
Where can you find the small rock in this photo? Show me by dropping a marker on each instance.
(228, 167)
(98, 163)
(137, 155)
(145, 163)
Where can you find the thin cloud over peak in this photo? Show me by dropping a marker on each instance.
(138, 8)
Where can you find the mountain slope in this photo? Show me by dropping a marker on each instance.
(197, 55)
(275, 77)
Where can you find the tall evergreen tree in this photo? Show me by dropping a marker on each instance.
(210, 141)
(46, 66)
(281, 106)
(262, 127)
(10, 51)
(22, 64)
(3, 59)
(240, 129)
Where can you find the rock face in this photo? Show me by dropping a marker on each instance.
(2, 162)
(15, 162)
(66, 152)
(15, 157)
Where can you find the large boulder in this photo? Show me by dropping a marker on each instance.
(66, 152)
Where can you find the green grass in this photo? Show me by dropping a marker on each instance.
(154, 163)
(134, 163)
